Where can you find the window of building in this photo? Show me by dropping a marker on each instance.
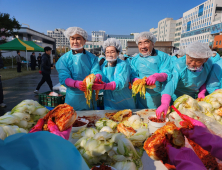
(216, 42)
(220, 43)
(188, 26)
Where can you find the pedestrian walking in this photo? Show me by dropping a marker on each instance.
(18, 59)
(33, 61)
(46, 69)
(39, 59)
(1, 89)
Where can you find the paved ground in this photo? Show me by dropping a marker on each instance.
(21, 88)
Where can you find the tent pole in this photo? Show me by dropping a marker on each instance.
(27, 60)
(12, 59)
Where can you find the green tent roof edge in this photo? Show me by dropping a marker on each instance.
(14, 45)
(36, 47)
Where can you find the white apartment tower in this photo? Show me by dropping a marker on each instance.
(178, 33)
(201, 23)
(154, 31)
(166, 29)
(61, 40)
(98, 36)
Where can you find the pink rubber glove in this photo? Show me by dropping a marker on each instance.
(202, 91)
(105, 86)
(161, 77)
(192, 121)
(55, 130)
(38, 126)
(184, 158)
(75, 84)
(110, 86)
(98, 86)
(98, 78)
(208, 141)
(135, 79)
(165, 103)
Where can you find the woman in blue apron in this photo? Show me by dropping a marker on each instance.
(116, 75)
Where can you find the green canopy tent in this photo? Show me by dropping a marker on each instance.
(36, 47)
(20, 45)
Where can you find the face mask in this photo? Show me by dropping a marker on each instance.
(197, 69)
(77, 48)
(111, 60)
(145, 55)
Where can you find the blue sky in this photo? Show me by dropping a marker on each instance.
(112, 16)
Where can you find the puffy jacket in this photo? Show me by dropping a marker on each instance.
(46, 64)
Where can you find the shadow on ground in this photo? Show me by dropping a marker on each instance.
(21, 88)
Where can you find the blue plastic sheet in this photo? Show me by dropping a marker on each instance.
(39, 150)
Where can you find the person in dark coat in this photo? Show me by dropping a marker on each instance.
(46, 69)
(1, 89)
(18, 59)
(33, 61)
(39, 59)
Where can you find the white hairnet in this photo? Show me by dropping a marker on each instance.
(145, 35)
(198, 50)
(75, 30)
(112, 42)
(121, 57)
(181, 52)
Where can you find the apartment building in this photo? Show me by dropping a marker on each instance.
(202, 23)
(176, 42)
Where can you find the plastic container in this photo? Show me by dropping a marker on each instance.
(76, 129)
(51, 101)
(100, 102)
(153, 126)
(157, 124)
(49, 108)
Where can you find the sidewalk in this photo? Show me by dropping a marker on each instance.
(21, 88)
